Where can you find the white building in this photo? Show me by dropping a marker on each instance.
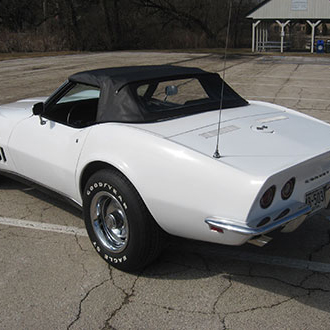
(283, 12)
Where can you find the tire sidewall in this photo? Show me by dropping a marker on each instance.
(114, 184)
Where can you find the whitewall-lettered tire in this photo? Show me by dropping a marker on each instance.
(118, 223)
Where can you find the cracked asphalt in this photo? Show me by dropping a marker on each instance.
(52, 280)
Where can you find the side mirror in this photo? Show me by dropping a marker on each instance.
(171, 90)
(38, 109)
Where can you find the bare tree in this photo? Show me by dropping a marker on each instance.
(125, 24)
(188, 16)
(111, 11)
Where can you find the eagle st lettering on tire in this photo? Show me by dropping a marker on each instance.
(118, 223)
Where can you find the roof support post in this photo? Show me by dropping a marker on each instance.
(313, 26)
(263, 36)
(254, 25)
(258, 38)
(282, 25)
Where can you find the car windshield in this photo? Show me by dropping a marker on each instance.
(185, 95)
(80, 92)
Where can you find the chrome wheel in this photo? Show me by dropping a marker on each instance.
(109, 221)
(119, 225)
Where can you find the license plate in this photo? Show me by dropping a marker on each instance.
(316, 199)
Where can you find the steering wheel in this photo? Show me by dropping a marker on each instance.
(69, 119)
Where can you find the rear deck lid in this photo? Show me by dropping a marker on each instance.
(251, 138)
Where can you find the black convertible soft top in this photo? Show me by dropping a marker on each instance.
(118, 100)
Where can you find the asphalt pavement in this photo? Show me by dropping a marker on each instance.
(52, 278)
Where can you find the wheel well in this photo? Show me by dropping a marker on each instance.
(90, 169)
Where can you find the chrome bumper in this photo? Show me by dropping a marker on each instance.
(299, 212)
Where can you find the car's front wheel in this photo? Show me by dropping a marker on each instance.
(118, 223)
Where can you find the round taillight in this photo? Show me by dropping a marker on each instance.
(267, 197)
(287, 189)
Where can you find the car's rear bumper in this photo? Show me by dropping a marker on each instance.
(299, 211)
(237, 234)
(288, 219)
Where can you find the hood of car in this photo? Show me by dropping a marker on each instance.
(11, 114)
(259, 133)
(20, 109)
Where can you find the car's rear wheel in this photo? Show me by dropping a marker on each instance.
(118, 223)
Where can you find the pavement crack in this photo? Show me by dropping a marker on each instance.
(297, 286)
(286, 81)
(258, 308)
(126, 300)
(181, 310)
(78, 243)
(313, 289)
(300, 285)
(250, 275)
(296, 106)
(167, 308)
(82, 300)
(222, 293)
(28, 214)
(43, 210)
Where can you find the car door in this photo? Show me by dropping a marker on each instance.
(46, 149)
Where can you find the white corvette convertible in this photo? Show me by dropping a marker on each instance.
(135, 146)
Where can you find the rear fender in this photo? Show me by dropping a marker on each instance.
(180, 187)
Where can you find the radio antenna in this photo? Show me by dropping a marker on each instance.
(216, 152)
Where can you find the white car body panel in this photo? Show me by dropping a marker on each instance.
(162, 174)
(48, 154)
(171, 165)
(13, 113)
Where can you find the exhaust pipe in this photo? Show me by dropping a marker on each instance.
(260, 240)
